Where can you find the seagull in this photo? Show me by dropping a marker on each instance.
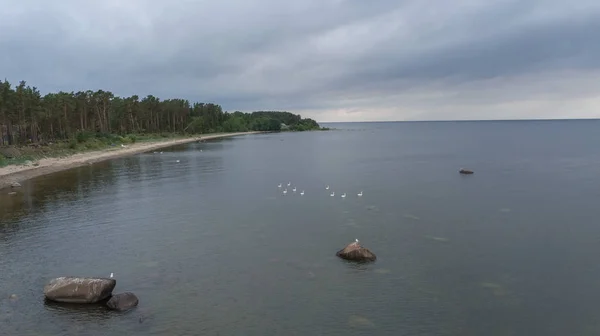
(332, 194)
(360, 193)
(327, 187)
(356, 241)
(289, 184)
(294, 190)
(111, 275)
(279, 186)
(302, 192)
(177, 161)
(284, 191)
(343, 195)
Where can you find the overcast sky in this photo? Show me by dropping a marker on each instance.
(331, 60)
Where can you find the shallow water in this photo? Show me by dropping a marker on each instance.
(212, 247)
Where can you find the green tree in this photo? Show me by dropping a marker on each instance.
(27, 116)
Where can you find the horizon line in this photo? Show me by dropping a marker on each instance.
(458, 120)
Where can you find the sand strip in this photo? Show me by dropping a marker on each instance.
(15, 173)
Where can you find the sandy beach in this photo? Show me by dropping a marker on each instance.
(18, 173)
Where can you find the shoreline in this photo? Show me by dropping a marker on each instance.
(19, 173)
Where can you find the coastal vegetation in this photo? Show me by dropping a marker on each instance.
(66, 122)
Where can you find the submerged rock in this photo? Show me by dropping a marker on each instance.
(15, 185)
(355, 252)
(440, 239)
(465, 171)
(409, 216)
(79, 290)
(122, 301)
(356, 321)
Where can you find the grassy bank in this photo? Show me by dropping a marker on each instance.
(83, 142)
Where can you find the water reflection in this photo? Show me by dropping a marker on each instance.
(110, 177)
(78, 312)
(64, 186)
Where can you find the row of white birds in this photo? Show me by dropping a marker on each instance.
(285, 191)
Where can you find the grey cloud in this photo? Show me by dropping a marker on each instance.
(568, 45)
(312, 56)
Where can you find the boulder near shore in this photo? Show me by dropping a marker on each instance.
(79, 290)
(355, 252)
(122, 301)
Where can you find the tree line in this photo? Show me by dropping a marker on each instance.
(27, 116)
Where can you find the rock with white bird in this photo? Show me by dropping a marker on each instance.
(356, 252)
(72, 289)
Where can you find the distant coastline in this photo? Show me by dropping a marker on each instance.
(460, 120)
(19, 173)
(40, 134)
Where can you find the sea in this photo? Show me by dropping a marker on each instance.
(212, 246)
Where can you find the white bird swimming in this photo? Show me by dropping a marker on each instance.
(343, 195)
(289, 184)
(327, 187)
(279, 185)
(302, 192)
(294, 190)
(360, 193)
(332, 194)
(284, 191)
(177, 161)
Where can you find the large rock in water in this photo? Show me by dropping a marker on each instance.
(356, 252)
(79, 290)
(122, 301)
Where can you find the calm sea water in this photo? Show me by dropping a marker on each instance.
(212, 247)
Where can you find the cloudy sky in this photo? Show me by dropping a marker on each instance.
(332, 60)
